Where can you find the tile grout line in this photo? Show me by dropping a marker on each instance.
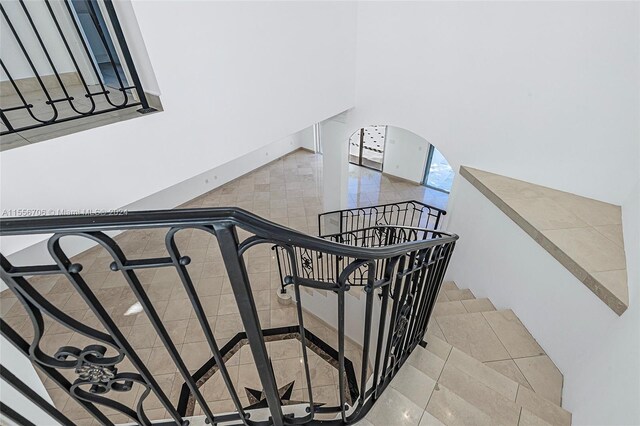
(500, 340)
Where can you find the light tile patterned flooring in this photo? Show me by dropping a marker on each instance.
(288, 191)
(443, 385)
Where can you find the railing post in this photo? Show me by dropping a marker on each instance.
(127, 57)
(237, 272)
(33, 396)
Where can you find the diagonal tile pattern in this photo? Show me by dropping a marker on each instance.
(481, 366)
(453, 388)
(287, 191)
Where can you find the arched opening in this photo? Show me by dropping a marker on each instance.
(396, 158)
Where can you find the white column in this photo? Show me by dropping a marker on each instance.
(334, 133)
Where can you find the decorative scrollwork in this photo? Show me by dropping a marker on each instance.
(96, 374)
(402, 321)
(100, 375)
(306, 262)
(93, 368)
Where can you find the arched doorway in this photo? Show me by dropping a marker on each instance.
(397, 159)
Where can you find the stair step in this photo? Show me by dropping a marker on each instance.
(499, 339)
(478, 305)
(468, 391)
(449, 285)
(542, 408)
(464, 294)
(543, 376)
(462, 307)
(472, 334)
(448, 308)
(513, 334)
(509, 369)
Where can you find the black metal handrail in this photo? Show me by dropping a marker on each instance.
(405, 265)
(404, 213)
(33, 109)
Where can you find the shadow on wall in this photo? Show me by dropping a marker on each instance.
(398, 152)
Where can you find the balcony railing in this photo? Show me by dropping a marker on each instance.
(62, 61)
(404, 265)
(406, 213)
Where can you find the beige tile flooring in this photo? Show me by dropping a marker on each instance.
(287, 191)
(442, 385)
(82, 104)
(497, 338)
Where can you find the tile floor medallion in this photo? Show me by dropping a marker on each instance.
(287, 191)
(283, 343)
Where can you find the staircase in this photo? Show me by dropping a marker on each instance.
(159, 337)
(377, 336)
(480, 367)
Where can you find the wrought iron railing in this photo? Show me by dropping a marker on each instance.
(405, 213)
(405, 265)
(52, 69)
(363, 227)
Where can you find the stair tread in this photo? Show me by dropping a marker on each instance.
(509, 369)
(543, 408)
(478, 305)
(503, 410)
(449, 285)
(448, 308)
(497, 337)
(513, 334)
(471, 333)
(543, 376)
(468, 389)
(443, 308)
(464, 294)
(486, 375)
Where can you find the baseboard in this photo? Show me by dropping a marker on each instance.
(400, 178)
(170, 197)
(189, 189)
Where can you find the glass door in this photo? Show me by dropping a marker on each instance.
(366, 147)
(438, 173)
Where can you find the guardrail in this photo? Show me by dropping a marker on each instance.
(53, 73)
(405, 265)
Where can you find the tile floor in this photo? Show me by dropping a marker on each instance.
(287, 191)
(443, 385)
(496, 338)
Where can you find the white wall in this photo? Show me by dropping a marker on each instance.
(174, 195)
(405, 154)
(547, 92)
(596, 350)
(304, 139)
(541, 91)
(235, 77)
